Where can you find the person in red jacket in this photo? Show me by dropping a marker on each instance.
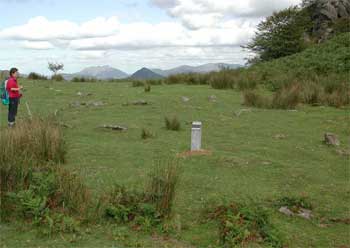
(13, 89)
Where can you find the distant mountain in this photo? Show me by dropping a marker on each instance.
(98, 72)
(195, 69)
(145, 73)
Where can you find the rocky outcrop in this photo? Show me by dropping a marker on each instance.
(325, 13)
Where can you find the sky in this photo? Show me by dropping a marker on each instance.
(128, 34)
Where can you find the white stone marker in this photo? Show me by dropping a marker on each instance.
(196, 136)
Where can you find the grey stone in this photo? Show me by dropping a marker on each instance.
(114, 127)
(331, 139)
(286, 211)
(185, 99)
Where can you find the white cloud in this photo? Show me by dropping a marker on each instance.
(37, 45)
(214, 11)
(41, 29)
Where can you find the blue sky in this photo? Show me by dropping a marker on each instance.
(127, 34)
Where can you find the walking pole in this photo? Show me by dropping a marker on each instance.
(29, 112)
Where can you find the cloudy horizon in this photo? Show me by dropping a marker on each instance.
(128, 35)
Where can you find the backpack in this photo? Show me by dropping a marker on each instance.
(4, 95)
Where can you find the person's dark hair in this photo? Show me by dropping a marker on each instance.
(13, 70)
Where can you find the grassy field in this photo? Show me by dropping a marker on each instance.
(247, 161)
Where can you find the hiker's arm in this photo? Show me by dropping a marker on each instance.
(16, 89)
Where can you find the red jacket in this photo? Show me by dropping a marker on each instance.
(12, 83)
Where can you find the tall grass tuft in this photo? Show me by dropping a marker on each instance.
(32, 143)
(172, 123)
(253, 99)
(147, 88)
(162, 185)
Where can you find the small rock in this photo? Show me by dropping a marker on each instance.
(212, 98)
(305, 213)
(185, 99)
(280, 136)
(79, 94)
(96, 104)
(113, 127)
(238, 113)
(286, 211)
(266, 163)
(136, 103)
(343, 152)
(331, 139)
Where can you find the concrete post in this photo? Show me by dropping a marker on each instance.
(196, 136)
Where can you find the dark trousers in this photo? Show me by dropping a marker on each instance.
(13, 106)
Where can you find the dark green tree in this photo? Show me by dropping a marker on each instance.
(281, 34)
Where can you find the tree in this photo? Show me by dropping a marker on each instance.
(280, 35)
(55, 67)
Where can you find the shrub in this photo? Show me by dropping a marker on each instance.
(241, 224)
(253, 99)
(154, 81)
(174, 79)
(162, 185)
(172, 123)
(147, 88)
(150, 207)
(138, 83)
(57, 78)
(36, 76)
(146, 134)
(83, 79)
(222, 80)
(312, 93)
(287, 97)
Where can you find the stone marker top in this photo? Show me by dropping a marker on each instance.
(196, 124)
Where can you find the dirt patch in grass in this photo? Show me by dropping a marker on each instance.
(186, 154)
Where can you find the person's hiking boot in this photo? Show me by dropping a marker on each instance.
(11, 124)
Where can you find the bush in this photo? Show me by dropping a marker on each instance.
(146, 134)
(222, 80)
(287, 97)
(253, 99)
(241, 224)
(172, 123)
(36, 76)
(57, 78)
(83, 79)
(154, 82)
(147, 88)
(138, 83)
(162, 186)
(151, 207)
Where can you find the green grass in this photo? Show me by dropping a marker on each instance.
(247, 162)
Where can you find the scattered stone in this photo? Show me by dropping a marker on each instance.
(96, 104)
(77, 104)
(343, 152)
(238, 113)
(83, 94)
(212, 98)
(114, 127)
(302, 212)
(136, 103)
(305, 213)
(185, 99)
(286, 211)
(266, 163)
(331, 139)
(280, 136)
